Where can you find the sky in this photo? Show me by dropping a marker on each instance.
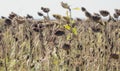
(23, 7)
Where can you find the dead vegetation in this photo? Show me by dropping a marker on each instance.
(64, 44)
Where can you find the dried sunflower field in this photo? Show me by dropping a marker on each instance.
(62, 44)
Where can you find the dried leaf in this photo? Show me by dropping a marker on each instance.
(68, 37)
(72, 21)
(74, 30)
(67, 27)
(77, 8)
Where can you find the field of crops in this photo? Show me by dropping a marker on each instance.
(62, 44)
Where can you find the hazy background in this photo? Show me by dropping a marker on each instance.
(23, 7)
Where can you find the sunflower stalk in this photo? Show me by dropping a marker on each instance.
(4, 56)
(70, 16)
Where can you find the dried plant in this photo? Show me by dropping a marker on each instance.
(12, 15)
(29, 16)
(111, 19)
(19, 20)
(114, 56)
(66, 46)
(83, 9)
(46, 10)
(41, 46)
(78, 19)
(117, 11)
(59, 33)
(8, 22)
(115, 15)
(88, 15)
(36, 29)
(57, 16)
(96, 29)
(67, 19)
(104, 13)
(40, 14)
(65, 5)
(96, 18)
(44, 17)
(3, 17)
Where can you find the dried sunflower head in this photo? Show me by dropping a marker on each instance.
(35, 27)
(29, 16)
(57, 16)
(46, 10)
(59, 33)
(40, 14)
(117, 11)
(96, 29)
(8, 22)
(96, 18)
(20, 20)
(65, 5)
(3, 17)
(66, 46)
(115, 15)
(104, 13)
(66, 18)
(87, 14)
(12, 15)
(114, 56)
(78, 19)
(83, 9)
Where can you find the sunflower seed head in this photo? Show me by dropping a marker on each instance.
(114, 56)
(65, 5)
(59, 33)
(3, 17)
(8, 22)
(104, 13)
(40, 14)
(96, 18)
(117, 11)
(42, 8)
(12, 15)
(29, 16)
(87, 14)
(83, 9)
(96, 29)
(115, 15)
(57, 16)
(46, 10)
(66, 46)
(78, 19)
(36, 29)
(20, 20)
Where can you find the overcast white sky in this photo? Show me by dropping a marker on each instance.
(23, 7)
